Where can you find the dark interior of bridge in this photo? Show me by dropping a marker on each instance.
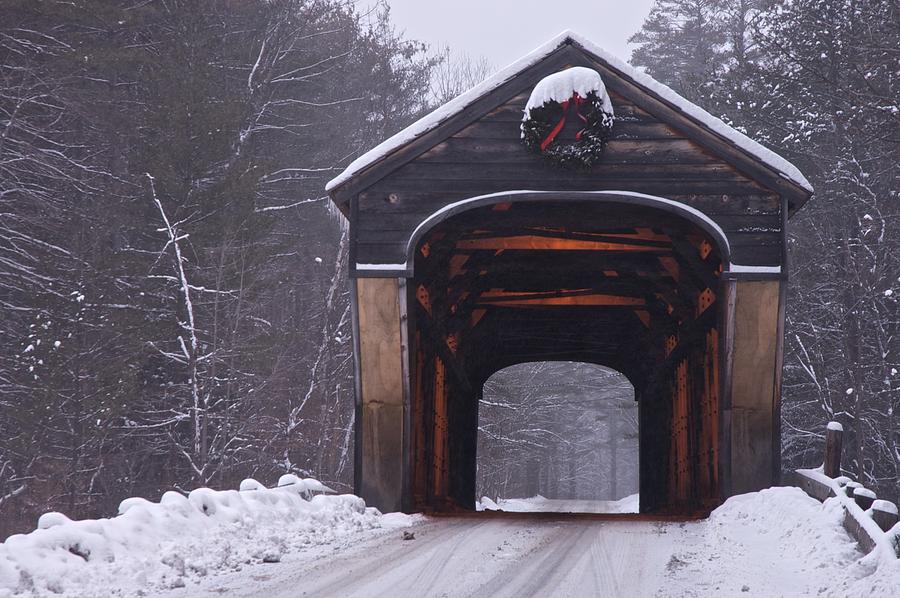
(628, 287)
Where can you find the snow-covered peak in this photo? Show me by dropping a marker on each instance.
(560, 86)
(455, 106)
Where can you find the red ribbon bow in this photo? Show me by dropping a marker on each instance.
(577, 100)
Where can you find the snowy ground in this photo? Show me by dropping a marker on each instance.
(150, 547)
(629, 504)
(775, 543)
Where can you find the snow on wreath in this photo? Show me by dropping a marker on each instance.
(577, 90)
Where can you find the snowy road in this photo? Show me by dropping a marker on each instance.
(483, 556)
(276, 544)
(775, 543)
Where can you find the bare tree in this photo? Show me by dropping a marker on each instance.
(455, 73)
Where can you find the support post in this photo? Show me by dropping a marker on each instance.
(381, 478)
(754, 390)
(884, 513)
(834, 434)
(863, 497)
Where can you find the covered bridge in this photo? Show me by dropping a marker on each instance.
(569, 208)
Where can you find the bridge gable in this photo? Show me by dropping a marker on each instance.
(657, 148)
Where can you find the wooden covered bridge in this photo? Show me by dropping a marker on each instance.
(610, 222)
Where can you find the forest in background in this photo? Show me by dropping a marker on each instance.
(173, 281)
(557, 429)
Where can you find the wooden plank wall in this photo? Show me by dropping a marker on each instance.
(645, 155)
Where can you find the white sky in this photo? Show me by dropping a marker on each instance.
(504, 30)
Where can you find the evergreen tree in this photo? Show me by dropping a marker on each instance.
(681, 44)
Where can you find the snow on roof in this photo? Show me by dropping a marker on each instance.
(456, 105)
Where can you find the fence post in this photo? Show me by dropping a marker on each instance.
(833, 442)
(884, 513)
(863, 497)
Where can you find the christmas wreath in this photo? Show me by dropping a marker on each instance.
(579, 90)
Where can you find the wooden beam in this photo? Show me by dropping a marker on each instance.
(551, 243)
(701, 271)
(580, 297)
(435, 332)
(646, 239)
(571, 263)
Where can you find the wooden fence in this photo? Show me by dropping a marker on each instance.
(872, 522)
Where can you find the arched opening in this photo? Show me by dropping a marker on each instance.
(623, 280)
(558, 436)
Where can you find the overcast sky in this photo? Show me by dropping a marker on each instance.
(504, 30)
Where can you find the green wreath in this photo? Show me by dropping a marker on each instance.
(542, 125)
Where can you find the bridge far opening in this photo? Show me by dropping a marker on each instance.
(557, 436)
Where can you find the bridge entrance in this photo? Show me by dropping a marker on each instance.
(651, 242)
(622, 281)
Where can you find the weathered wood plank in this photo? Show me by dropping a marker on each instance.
(541, 170)
(754, 239)
(812, 486)
(753, 385)
(381, 478)
(472, 186)
(655, 151)
(377, 200)
(624, 128)
(402, 225)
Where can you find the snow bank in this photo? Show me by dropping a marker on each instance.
(799, 543)
(177, 540)
(843, 488)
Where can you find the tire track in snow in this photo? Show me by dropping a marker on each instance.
(477, 557)
(441, 561)
(536, 574)
(590, 559)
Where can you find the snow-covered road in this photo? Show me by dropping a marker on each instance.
(282, 543)
(777, 543)
(481, 556)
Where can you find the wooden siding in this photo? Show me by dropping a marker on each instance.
(645, 155)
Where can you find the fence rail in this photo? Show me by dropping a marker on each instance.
(873, 523)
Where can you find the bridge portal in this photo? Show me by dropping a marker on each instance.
(648, 238)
